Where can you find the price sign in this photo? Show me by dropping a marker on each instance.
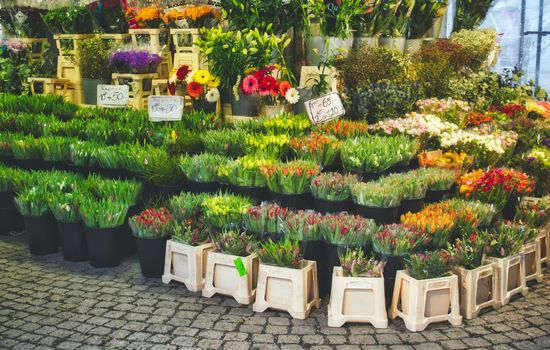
(325, 108)
(21, 17)
(113, 95)
(165, 108)
(359, 285)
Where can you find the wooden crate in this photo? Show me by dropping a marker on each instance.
(421, 302)
(68, 46)
(36, 48)
(186, 264)
(157, 40)
(357, 299)
(141, 87)
(292, 290)
(478, 289)
(222, 277)
(186, 52)
(511, 277)
(533, 264)
(116, 40)
(308, 75)
(49, 86)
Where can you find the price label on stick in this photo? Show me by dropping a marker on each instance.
(240, 266)
(325, 108)
(113, 95)
(165, 108)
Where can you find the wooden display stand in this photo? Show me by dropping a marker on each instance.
(478, 289)
(308, 74)
(186, 264)
(141, 87)
(222, 277)
(68, 46)
(36, 48)
(158, 40)
(116, 40)
(292, 290)
(186, 52)
(511, 277)
(533, 264)
(357, 299)
(49, 86)
(421, 302)
(545, 244)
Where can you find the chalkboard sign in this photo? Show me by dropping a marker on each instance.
(165, 108)
(113, 95)
(325, 108)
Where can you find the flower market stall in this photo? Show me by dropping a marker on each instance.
(426, 199)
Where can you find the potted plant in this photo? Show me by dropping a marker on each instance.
(92, 58)
(232, 270)
(392, 243)
(323, 149)
(398, 13)
(134, 62)
(201, 171)
(55, 151)
(103, 221)
(423, 16)
(64, 207)
(263, 221)
(378, 200)
(226, 142)
(437, 221)
(534, 212)
(357, 293)
(244, 177)
(9, 217)
(344, 129)
(267, 146)
(477, 280)
(163, 172)
(439, 181)
(332, 192)
(414, 188)
(224, 210)
(285, 280)
(26, 152)
(192, 16)
(68, 20)
(200, 85)
(40, 224)
(504, 248)
(426, 292)
(288, 182)
(152, 228)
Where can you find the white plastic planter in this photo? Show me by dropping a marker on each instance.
(421, 302)
(292, 290)
(222, 277)
(357, 299)
(511, 277)
(533, 265)
(186, 264)
(478, 289)
(544, 238)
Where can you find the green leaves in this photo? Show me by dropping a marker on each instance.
(285, 253)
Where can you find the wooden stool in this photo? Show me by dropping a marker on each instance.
(48, 86)
(186, 264)
(141, 87)
(186, 52)
(158, 40)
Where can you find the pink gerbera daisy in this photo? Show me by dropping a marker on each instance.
(250, 85)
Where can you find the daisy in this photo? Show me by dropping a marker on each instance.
(292, 96)
(250, 85)
(268, 83)
(214, 81)
(194, 89)
(284, 86)
(201, 76)
(212, 95)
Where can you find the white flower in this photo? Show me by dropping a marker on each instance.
(212, 95)
(292, 96)
(189, 78)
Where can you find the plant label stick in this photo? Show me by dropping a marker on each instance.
(325, 108)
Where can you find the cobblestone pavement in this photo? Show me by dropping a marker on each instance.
(47, 303)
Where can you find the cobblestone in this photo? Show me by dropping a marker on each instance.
(48, 303)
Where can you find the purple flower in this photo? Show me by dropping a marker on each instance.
(546, 142)
(134, 61)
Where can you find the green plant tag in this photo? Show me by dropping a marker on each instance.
(240, 266)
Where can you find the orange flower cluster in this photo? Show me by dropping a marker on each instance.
(438, 221)
(191, 12)
(446, 159)
(345, 128)
(146, 14)
(315, 142)
(476, 118)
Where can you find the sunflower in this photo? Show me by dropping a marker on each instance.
(201, 76)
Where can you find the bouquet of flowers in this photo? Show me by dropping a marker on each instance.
(146, 17)
(398, 240)
(511, 110)
(477, 118)
(355, 264)
(537, 109)
(378, 194)
(412, 184)
(225, 210)
(301, 225)
(191, 231)
(192, 16)
(285, 124)
(233, 242)
(200, 85)
(448, 160)
(468, 251)
(289, 178)
(344, 129)
(447, 109)
(428, 265)
(535, 212)
(345, 229)
(435, 221)
(134, 61)
(226, 142)
(272, 91)
(332, 186)
(245, 171)
(415, 124)
(152, 223)
(202, 167)
(438, 179)
(285, 253)
(321, 148)
(264, 218)
(506, 240)
(268, 146)
(186, 206)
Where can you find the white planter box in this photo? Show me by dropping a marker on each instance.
(357, 299)
(222, 277)
(544, 238)
(421, 302)
(292, 290)
(533, 264)
(511, 277)
(478, 289)
(186, 264)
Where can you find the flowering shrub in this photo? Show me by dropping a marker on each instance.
(468, 251)
(224, 210)
(345, 229)
(134, 61)
(321, 148)
(266, 85)
(264, 218)
(152, 223)
(285, 253)
(332, 186)
(428, 265)
(355, 264)
(289, 178)
(233, 242)
(398, 240)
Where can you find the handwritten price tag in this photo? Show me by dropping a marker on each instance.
(165, 108)
(325, 108)
(113, 95)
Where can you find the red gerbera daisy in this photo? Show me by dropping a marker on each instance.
(194, 89)
(269, 83)
(284, 86)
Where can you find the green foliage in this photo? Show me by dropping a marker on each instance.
(192, 232)
(285, 253)
(9, 177)
(55, 148)
(428, 265)
(26, 147)
(233, 242)
(470, 13)
(202, 167)
(335, 21)
(227, 142)
(102, 213)
(65, 205)
(186, 206)
(33, 201)
(377, 194)
(423, 16)
(161, 168)
(468, 251)
(121, 191)
(68, 20)
(93, 58)
(38, 104)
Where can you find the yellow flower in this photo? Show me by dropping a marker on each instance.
(213, 82)
(201, 76)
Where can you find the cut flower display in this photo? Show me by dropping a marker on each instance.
(289, 178)
(272, 90)
(332, 186)
(355, 264)
(152, 223)
(134, 61)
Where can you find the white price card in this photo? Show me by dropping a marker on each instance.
(359, 285)
(113, 95)
(165, 108)
(325, 108)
